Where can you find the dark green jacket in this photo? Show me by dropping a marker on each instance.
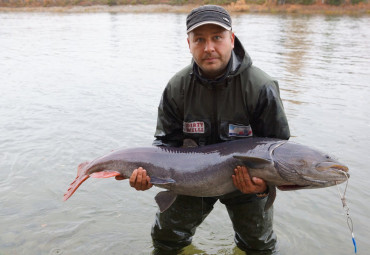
(244, 102)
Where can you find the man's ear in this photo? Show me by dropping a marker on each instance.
(232, 39)
(188, 43)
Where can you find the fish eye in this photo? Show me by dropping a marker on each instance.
(331, 157)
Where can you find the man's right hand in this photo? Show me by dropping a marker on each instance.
(140, 180)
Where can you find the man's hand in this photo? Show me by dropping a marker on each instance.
(138, 179)
(245, 184)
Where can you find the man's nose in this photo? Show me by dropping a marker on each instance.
(209, 46)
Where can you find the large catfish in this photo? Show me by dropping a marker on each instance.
(206, 171)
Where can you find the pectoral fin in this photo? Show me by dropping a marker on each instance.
(254, 162)
(271, 197)
(165, 199)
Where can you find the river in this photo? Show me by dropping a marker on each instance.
(76, 86)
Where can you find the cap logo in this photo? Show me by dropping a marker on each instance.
(225, 19)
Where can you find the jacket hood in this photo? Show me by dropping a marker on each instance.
(239, 61)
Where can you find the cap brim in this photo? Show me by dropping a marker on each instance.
(208, 22)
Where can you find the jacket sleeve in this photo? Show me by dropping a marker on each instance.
(169, 131)
(269, 119)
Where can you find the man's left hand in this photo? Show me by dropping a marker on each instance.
(243, 181)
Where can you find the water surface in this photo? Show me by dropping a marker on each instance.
(76, 86)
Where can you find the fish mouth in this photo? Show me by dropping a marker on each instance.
(330, 166)
(292, 187)
(333, 171)
(328, 174)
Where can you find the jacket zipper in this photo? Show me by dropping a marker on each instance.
(215, 125)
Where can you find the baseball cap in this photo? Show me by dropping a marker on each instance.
(208, 14)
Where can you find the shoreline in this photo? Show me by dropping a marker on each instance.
(359, 9)
(140, 8)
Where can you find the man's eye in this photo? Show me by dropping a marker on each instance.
(199, 40)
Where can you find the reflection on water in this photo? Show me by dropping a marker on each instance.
(75, 86)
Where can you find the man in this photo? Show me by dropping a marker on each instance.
(220, 97)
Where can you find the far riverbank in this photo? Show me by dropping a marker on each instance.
(358, 9)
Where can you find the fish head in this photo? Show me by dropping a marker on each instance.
(304, 167)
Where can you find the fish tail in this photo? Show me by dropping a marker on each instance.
(81, 177)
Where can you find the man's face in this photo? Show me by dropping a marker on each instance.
(211, 47)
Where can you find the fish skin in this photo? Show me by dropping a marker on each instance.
(206, 171)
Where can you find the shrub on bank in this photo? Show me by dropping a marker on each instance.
(39, 3)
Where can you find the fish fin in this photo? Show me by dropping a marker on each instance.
(81, 177)
(81, 168)
(254, 162)
(189, 143)
(105, 174)
(157, 180)
(271, 197)
(165, 199)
